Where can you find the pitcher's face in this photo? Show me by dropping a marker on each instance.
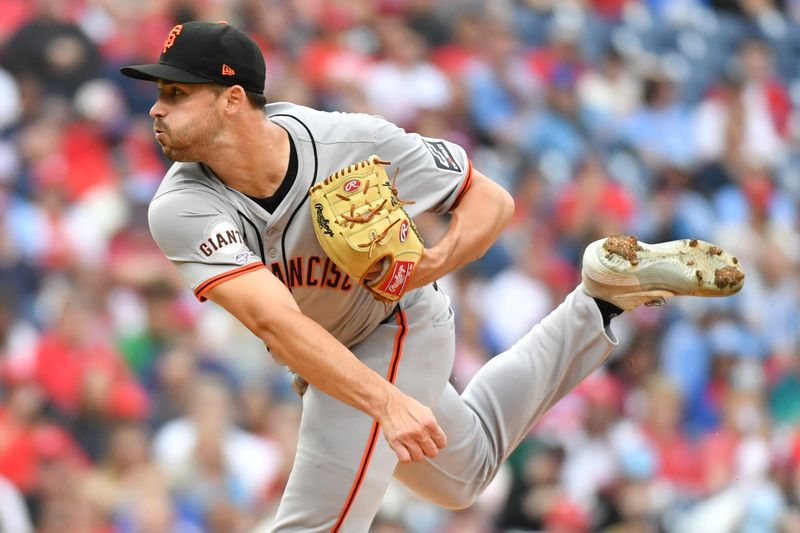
(186, 120)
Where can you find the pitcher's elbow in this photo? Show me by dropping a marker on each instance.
(506, 207)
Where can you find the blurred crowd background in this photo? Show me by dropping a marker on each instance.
(128, 407)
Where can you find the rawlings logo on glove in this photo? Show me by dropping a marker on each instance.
(362, 226)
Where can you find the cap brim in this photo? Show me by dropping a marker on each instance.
(160, 71)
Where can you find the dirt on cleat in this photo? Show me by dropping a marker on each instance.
(728, 277)
(624, 246)
(628, 273)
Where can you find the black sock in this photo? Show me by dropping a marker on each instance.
(608, 310)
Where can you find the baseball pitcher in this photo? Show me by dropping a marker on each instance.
(300, 224)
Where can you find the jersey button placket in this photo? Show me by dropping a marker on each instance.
(271, 233)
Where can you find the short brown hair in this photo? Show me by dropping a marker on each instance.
(256, 100)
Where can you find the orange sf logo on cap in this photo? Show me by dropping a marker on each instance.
(173, 34)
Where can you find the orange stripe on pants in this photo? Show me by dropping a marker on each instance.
(391, 375)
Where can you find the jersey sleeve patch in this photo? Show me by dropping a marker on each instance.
(442, 156)
(224, 239)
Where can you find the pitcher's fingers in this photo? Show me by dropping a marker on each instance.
(402, 453)
(416, 451)
(438, 437)
(429, 448)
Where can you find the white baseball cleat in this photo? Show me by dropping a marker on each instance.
(628, 273)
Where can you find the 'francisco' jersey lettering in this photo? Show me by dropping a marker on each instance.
(213, 233)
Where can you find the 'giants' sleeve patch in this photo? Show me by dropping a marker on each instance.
(442, 156)
(223, 238)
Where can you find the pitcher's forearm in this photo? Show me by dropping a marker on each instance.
(483, 213)
(325, 363)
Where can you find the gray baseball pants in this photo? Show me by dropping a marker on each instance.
(344, 465)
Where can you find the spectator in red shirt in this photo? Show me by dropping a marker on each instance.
(77, 368)
(677, 460)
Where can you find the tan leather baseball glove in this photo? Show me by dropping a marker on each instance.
(363, 228)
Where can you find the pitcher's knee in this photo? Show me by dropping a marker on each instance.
(456, 498)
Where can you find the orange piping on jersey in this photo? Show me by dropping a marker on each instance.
(225, 276)
(391, 375)
(464, 187)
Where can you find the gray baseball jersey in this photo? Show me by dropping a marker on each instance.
(213, 233)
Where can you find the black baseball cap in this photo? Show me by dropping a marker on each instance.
(206, 52)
